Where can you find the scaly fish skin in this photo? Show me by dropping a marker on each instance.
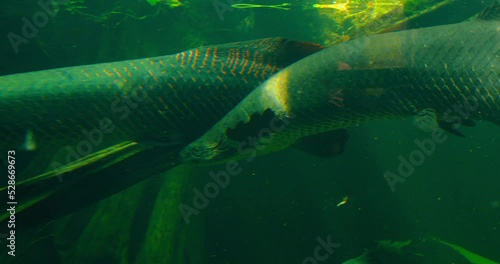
(168, 100)
(453, 69)
(102, 128)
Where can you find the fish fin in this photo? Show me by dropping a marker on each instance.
(426, 120)
(29, 163)
(452, 127)
(492, 12)
(97, 160)
(290, 51)
(93, 186)
(328, 144)
(39, 188)
(279, 52)
(468, 122)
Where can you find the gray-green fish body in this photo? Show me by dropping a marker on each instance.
(101, 128)
(453, 69)
(149, 98)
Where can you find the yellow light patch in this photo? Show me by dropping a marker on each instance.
(29, 141)
(276, 92)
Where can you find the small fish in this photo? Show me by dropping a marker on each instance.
(344, 201)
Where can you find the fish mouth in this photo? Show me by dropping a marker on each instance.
(225, 141)
(203, 151)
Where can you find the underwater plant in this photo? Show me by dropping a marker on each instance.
(170, 3)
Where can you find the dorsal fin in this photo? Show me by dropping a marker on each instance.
(492, 12)
(256, 57)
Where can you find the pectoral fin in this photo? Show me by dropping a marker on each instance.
(428, 120)
(82, 182)
(328, 144)
(452, 127)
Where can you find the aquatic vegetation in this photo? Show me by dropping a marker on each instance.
(112, 14)
(247, 24)
(284, 6)
(363, 259)
(363, 17)
(358, 13)
(352, 18)
(170, 3)
(413, 6)
(470, 256)
(395, 247)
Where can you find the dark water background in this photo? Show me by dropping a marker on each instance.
(277, 208)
